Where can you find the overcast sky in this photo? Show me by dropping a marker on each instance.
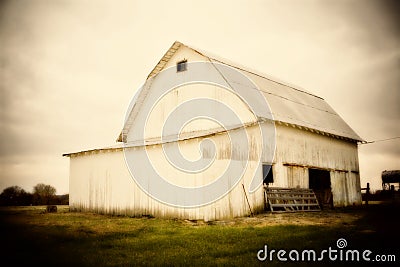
(68, 69)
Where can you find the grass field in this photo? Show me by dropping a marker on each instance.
(30, 236)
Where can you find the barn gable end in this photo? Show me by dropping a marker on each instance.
(289, 104)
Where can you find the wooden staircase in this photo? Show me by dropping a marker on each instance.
(290, 199)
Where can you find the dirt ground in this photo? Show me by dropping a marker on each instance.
(301, 218)
(325, 217)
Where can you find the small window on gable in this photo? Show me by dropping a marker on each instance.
(268, 176)
(181, 66)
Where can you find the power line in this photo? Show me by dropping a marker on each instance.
(381, 140)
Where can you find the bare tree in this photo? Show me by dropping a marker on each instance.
(44, 194)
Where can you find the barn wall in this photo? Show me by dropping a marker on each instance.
(162, 110)
(298, 150)
(101, 182)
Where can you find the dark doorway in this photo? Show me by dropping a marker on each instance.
(320, 182)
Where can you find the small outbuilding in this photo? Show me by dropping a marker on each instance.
(300, 142)
(390, 179)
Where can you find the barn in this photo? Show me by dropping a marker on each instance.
(204, 137)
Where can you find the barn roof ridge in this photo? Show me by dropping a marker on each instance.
(300, 97)
(213, 57)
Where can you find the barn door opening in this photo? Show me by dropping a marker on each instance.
(320, 183)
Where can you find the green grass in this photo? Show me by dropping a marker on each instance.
(31, 236)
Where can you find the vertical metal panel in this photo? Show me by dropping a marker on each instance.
(339, 188)
(297, 177)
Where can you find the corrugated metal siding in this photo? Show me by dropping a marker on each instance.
(160, 112)
(297, 177)
(100, 181)
(310, 149)
(298, 150)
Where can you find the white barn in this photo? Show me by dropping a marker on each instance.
(313, 148)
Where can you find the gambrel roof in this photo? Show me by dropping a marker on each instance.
(289, 104)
